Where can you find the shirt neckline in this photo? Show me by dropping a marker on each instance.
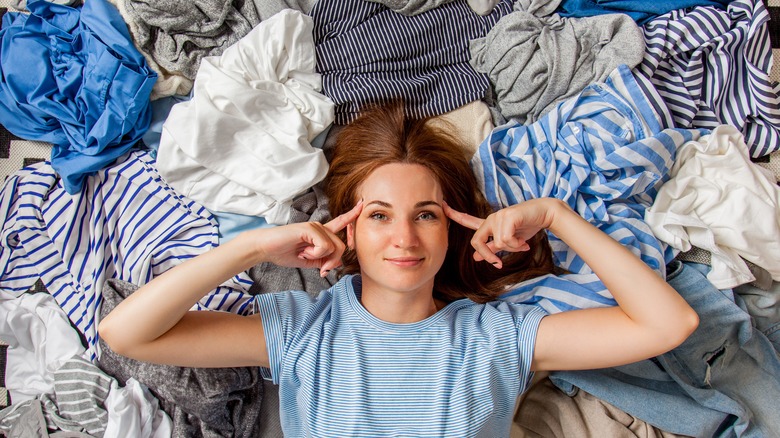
(353, 287)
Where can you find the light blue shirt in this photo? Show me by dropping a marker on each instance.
(343, 372)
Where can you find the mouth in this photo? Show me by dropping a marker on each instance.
(405, 262)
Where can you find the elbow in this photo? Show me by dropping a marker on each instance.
(687, 323)
(691, 323)
(112, 337)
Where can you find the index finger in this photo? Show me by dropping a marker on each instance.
(339, 222)
(464, 219)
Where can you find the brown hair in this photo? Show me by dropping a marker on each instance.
(382, 135)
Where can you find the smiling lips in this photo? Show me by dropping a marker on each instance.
(405, 262)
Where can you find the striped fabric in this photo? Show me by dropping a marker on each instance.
(343, 372)
(76, 405)
(713, 67)
(126, 223)
(78, 402)
(367, 53)
(605, 154)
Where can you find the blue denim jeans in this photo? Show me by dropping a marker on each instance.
(764, 307)
(723, 381)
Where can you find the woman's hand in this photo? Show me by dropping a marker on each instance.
(307, 244)
(154, 324)
(651, 318)
(508, 229)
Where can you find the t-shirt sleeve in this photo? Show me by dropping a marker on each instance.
(283, 316)
(527, 319)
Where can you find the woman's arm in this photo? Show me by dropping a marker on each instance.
(154, 324)
(651, 317)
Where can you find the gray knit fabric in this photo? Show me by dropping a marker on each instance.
(77, 404)
(202, 402)
(26, 420)
(269, 278)
(535, 61)
(178, 34)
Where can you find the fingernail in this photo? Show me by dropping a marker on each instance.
(324, 273)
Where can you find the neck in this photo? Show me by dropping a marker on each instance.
(399, 307)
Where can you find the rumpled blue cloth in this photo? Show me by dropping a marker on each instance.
(72, 77)
(640, 10)
(604, 152)
(723, 381)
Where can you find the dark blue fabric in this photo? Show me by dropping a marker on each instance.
(72, 77)
(367, 53)
(640, 10)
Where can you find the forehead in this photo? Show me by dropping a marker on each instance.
(399, 181)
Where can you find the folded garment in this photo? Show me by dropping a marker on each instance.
(72, 77)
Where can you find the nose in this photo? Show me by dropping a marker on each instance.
(405, 234)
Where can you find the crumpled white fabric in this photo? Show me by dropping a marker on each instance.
(242, 144)
(40, 338)
(719, 201)
(134, 412)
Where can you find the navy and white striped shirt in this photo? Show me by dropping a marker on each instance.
(343, 372)
(712, 67)
(366, 53)
(125, 223)
(604, 153)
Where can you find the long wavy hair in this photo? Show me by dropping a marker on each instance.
(383, 134)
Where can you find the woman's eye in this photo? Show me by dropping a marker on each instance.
(427, 216)
(378, 216)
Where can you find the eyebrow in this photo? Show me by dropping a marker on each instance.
(417, 205)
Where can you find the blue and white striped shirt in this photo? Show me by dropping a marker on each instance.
(125, 223)
(712, 67)
(343, 372)
(605, 154)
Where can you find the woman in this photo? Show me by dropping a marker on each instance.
(392, 348)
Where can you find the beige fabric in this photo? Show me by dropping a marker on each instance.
(471, 123)
(547, 412)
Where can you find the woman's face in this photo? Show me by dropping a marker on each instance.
(400, 236)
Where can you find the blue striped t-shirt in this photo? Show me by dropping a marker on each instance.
(343, 372)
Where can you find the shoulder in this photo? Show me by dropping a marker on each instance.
(300, 304)
(496, 311)
(496, 321)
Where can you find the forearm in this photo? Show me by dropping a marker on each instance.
(157, 306)
(644, 296)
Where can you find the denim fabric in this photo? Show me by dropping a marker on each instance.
(764, 307)
(723, 381)
(640, 10)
